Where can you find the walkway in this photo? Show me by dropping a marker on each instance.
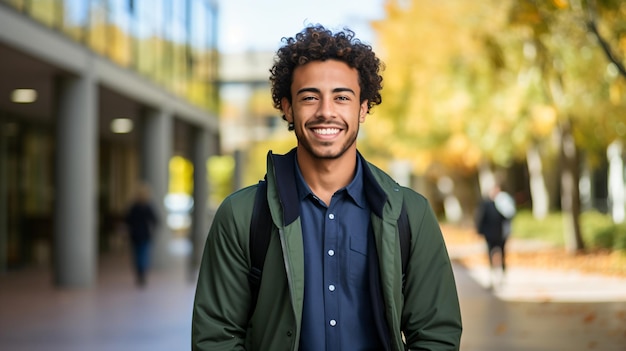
(495, 324)
(539, 310)
(118, 316)
(114, 316)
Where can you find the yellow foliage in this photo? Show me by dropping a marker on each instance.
(544, 119)
(460, 151)
(378, 131)
(256, 158)
(431, 49)
(561, 4)
(421, 161)
(616, 92)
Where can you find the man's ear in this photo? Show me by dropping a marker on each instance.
(363, 111)
(285, 105)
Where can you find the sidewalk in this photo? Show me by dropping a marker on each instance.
(538, 309)
(525, 315)
(541, 285)
(116, 315)
(494, 324)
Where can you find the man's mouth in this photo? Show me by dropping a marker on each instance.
(326, 131)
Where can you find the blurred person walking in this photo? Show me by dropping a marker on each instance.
(493, 221)
(141, 220)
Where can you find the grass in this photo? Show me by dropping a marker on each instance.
(549, 229)
(598, 229)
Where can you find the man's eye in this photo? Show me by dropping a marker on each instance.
(343, 98)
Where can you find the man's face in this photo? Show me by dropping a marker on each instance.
(325, 108)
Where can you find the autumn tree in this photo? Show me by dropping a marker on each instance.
(491, 82)
(577, 79)
(456, 93)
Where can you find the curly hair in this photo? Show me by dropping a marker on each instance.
(316, 43)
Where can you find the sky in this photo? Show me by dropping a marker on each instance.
(258, 25)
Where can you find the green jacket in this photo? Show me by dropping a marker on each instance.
(426, 314)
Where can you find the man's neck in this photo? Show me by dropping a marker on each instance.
(326, 176)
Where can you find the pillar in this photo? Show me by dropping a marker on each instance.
(75, 227)
(201, 216)
(4, 207)
(156, 152)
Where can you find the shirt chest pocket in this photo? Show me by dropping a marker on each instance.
(357, 259)
(358, 244)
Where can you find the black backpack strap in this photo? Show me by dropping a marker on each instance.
(260, 230)
(405, 240)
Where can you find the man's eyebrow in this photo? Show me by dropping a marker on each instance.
(341, 90)
(317, 91)
(308, 90)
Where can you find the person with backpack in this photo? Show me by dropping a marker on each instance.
(493, 221)
(332, 276)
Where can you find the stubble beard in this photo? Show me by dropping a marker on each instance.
(326, 155)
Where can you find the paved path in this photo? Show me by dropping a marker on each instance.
(114, 316)
(495, 324)
(535, 309)
(117, 316)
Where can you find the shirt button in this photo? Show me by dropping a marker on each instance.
(333, 322)
(331, 252)
(331, 287)
(331, 216)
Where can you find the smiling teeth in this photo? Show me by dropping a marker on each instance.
(327, 131)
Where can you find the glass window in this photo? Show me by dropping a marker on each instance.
(177, 36)
(97, 35)
(119, 47)
(172, 42)
(202, 54)
(148, 31)
(45, 11)
(75, 19)
(18, 4)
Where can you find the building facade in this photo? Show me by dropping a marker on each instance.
(97, 96)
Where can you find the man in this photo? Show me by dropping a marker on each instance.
(141, 220)
(332, 278)
(493, 221)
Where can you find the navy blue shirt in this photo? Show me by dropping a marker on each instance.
(337, 313)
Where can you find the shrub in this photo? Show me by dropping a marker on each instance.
(549, 228)
(604, 238)
(611, 237)
(598, 229)
(620, 239)
(592, 225)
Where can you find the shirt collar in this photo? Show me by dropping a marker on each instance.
(354, 189)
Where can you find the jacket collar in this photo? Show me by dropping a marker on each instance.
(284, 169)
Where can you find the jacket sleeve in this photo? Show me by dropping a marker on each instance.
(222, 299)
(431, 317)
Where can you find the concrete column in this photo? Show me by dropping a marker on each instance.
(202, 150)
(4, 207)
(75, 227)
(156, 152)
